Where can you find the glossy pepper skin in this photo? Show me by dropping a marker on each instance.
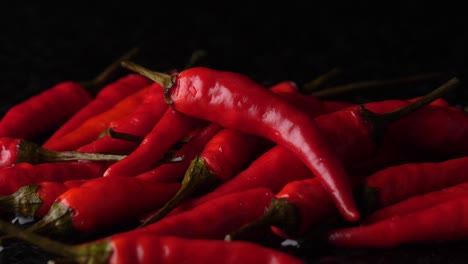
(247, 106)
(224, 155)
(213, 219)
(103, 203)
(440, 223)
(418, 202)
(91, 128)
(138, 123)
(174, 172)
(397, 183)
(13, 178)
(105, 98)
(147, 249)
(172, 127)
(26, 119)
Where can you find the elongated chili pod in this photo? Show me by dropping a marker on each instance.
(35, 200)
(16, 151)
(22, 174)
(147, 248)
(89, 208)
(351, 131)
(138, 123)
(440, 223)
(225, 155)
(172, 127)
(417, 202)
(59, 103)
(91, 128)
(174, 172)
(247, 106)
(396, 183)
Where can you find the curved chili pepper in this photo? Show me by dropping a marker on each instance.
(396, 183)
(249, 107)
(173, 172)
(417, 202)
(13, 178)
(90, 129)
(35, 200)
(87, 208)
(26, 119)
(147, 248)
(297, 208)
(358, 142)
(14, 151)
(225, 155)
(137, 123)
(218, 216)
(171, 128)
(440, 223)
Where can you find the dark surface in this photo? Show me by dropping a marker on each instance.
(43, 45)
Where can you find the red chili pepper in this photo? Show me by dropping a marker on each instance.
(27, 120)
(171, 128)
(393, 184)
(225, 155)
(138, 123)
(88, 208)
(273, 169)
(417, 202)
(90, 129)
(147, 248)
(16, 151)
(173, 172)
(13, 178)
(35, 200)
(443, 222)
(213, 219)
(294, 210)
(247, 106)
(349, 132)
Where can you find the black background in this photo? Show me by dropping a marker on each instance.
(41, 45)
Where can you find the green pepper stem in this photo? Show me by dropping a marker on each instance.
(100, 80)
(280, 213)
(357, 86)
(25, 202)
(380, 122)
(196, 177)
(121, 135)
(165, 80)
(32, 153)
(57, 222)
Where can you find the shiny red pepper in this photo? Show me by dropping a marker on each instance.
(174, 172)
(22, 174)
(443, 222)
(107, 97)
(247, 106)
(102, 204)
(417, 202)
(138, 123)
(14, 151)
(225, 155)
(396, 183)
(172, 127)
(147, 248)
(90, 129)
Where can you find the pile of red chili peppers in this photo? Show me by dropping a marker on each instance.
(206, 165)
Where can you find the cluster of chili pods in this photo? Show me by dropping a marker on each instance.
(168, 167)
